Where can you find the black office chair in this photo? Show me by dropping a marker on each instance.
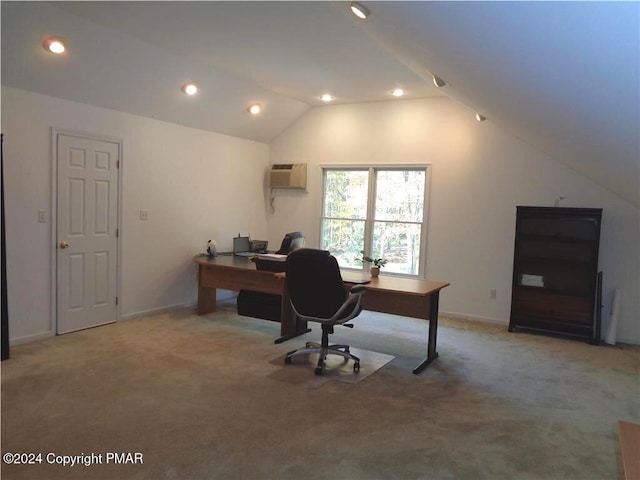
(318, 294)
(290, 242)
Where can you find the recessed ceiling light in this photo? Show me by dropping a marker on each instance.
(254, 109)
(359, 11)
(326, 97)
(438, 82)
(480, 118)
(397, 92)
(190, 88)
(54, 45)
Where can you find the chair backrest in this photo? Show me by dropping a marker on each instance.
(314, 282)
(291, 242)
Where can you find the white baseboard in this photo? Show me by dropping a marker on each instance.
(143, 313)
(225, 294)
(30, 338)
(178, 306)
(155, 311)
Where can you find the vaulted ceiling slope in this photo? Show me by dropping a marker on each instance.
(562, 76)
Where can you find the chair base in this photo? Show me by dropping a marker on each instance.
(323, 351)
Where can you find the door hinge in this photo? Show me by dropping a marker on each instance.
(117, 163)
(117, 232)
(116, 300)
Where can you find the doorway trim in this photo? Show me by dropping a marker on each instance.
(53, 323)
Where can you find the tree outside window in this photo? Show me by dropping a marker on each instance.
(376, 209)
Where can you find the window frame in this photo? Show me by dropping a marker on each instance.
(370, 220)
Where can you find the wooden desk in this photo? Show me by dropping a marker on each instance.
(630, 446)
(240, 273)
(408, 297)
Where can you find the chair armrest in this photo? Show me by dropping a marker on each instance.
(355, 297)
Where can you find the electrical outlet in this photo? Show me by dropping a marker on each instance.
(493, 293)
(144, 214)
(42, 216)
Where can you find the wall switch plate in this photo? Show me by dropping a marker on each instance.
(493, 293)
(42, 216)
(144, 214)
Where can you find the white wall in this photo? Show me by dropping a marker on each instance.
(199, 185)
(196, 186)
(479, 175)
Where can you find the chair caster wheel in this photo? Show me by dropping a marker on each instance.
(356, 367)
(287, 360)
(318, 371)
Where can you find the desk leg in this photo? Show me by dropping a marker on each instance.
(206, 300)
(290, 325)
(433, 332)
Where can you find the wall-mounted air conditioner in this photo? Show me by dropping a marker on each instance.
(290, 175)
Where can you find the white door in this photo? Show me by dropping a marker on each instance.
(87, 222)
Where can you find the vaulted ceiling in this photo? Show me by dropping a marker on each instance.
(562, 76)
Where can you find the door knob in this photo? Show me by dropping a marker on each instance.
(64, 245)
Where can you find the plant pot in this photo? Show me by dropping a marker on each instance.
(374, 271)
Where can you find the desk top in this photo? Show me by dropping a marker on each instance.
(226, 261)
(411, 286)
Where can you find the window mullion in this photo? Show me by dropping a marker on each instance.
(371, 211)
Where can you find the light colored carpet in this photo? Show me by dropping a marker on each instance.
(205, 398)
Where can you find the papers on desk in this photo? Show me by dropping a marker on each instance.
(531, 280)
(274, 257)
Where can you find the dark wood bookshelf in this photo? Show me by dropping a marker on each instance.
(556, 283)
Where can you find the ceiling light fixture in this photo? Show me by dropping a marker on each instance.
(326, 97)
(438, 82)
(397, 92)
(54, 45)
(190, 88)
(359, 11)
(254, 109)
(480, 118)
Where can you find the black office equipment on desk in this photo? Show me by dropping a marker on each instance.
(290, 242)
(258, 246)
(245, 247)
(265, 305)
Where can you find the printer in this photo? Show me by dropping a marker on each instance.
(258, 246)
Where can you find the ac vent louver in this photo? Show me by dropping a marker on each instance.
(289, 175)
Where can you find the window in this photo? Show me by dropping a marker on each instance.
(381, 210)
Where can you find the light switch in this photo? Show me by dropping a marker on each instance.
(42, 216)
(144, 214)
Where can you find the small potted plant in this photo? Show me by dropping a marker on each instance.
(376, 264)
